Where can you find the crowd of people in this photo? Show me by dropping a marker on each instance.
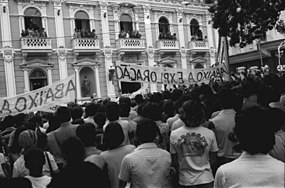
(84, 33)
(222, 134)
(34, 32)
(167, 36)
(127, 34)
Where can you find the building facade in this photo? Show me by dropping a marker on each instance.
(43, 41)
(259, 54)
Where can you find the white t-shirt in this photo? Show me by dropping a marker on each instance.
(2, 160)
(254, 171)
(192, 146)
(178, 123)
(39, 182)
(114, 159)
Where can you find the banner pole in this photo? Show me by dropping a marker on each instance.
(76, 85)
(117, 80)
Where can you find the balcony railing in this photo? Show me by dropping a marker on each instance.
(168, 45)
(198, 45)
(36, 43)
(131, 44)
(86, 44)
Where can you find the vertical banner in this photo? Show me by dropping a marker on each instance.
(223, 55)
(60, 92)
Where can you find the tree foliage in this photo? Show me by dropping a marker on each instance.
(243, 21)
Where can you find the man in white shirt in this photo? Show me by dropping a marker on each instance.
(148, 166)
(34, 161)
(254, 168)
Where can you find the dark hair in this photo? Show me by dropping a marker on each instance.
(139, 99)
(253, 130)
(147, 130)
(152, 111)
(100, 119)
(265, 96)
(112, 111)
(91, 109)
(124, 109)
(125, 100)
(73, 150)
(113, 135)
(226, 98)
(34, 158)
(63, 114)
(87, 134)
(192, 113)
(15, 147)
(76, 112)
(53, 124)
(168, 107)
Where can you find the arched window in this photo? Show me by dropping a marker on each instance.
(33, 19)
(198, 66)
(163, 25)
(196, 32)
(38, 79)
(126, 23)
(82, 22)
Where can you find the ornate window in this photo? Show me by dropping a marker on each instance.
(126, 23)
(38, 79)
(195, 30)
(199, 66)
(163, 25)
(33, 19)
(82, 22)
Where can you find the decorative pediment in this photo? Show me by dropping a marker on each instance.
(198, 60)
(167, 60)
(86, 62)
(35, 63)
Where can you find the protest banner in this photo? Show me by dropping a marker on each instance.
(163, 75)
(60, 92)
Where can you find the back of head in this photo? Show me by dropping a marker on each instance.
(192, 113)
(124, 109)
(28, 139)
(147, 130)
(254, 131)
(87, 134)
(34, 159)
(112, 111)
(91, 109)
(226, 98)
(73, 150)
(76, 112)
(125, 100)
(113, 135)
(264, 96)
(139, 99)
(168, 107)
(63, 114)
(100, 119)
(152, 111)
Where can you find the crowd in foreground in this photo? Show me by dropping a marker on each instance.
(226, 134)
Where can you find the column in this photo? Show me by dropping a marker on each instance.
(78, 86)
(116, 21)
(211, 39)
(49, 75)
(97, 79)
(148, 36)
(26, 79)
(136, 15)
(62, 64)
(7, 50)
(181, 38)
(107, 47)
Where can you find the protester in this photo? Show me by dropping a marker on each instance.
(34, 162)
(114, 137)
(254, 168)
(57, 137)
(148, 165)
(193, 147)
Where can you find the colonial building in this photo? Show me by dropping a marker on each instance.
(43, 41)
(259, 54)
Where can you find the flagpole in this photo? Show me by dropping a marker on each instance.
(226, 51)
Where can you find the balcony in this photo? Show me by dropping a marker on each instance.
(36, 44)
(86, 45)
(198, 45)
(168, 45)
(131, 45)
